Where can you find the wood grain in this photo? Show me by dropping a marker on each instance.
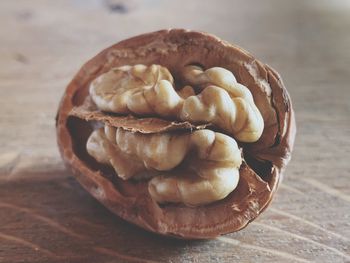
(47, 217)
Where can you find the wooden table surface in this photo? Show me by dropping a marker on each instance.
(46, 216)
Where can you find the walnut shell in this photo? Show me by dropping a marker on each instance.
(260, 173)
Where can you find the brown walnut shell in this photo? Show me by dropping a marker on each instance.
(264, 160)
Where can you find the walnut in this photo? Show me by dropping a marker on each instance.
(178, 132)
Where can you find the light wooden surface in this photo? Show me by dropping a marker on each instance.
(45, 216)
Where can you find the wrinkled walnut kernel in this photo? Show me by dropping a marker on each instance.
(149, 90)
(211, 171)
(209, 160)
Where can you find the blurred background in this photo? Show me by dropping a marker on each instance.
(44, 43)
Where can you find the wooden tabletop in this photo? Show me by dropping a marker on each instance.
(46, 216)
